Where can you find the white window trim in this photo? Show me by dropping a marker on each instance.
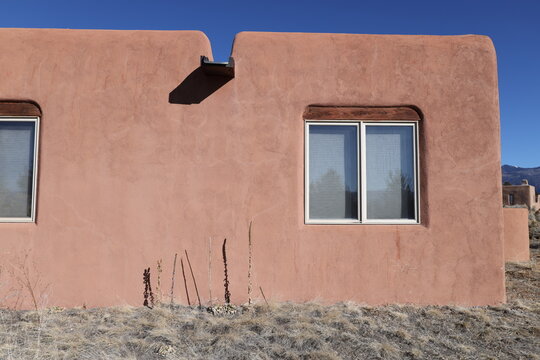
(32, 217)
(361, 177)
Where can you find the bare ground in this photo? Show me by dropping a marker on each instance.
(286, 331)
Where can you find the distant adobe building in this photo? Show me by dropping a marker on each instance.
(523, 194)
(356, 157)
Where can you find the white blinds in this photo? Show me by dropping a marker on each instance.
(333, 172)
(16, 168)
(390, 172)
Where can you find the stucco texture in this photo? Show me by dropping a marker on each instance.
(127, 178)
(516, 234)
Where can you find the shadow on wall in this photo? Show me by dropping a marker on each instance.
(196, 87)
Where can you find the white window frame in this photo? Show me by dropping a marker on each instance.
(361, 176)
(32, 217)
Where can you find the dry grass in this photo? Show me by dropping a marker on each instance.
(523, 279)
(286, 331)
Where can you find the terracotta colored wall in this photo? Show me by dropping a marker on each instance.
(516, 234)
(126, 178)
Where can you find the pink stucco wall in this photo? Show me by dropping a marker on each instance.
(516, 234)
(126, 178)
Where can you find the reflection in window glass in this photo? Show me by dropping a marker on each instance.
(16, 168)
(333, 172)
(390, 172)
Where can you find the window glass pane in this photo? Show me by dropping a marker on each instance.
(16, 168)
(390, 184)
(333, 172)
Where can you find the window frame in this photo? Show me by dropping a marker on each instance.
(36, 121)
(361, 175)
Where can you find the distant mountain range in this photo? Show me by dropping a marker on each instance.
(514, 175)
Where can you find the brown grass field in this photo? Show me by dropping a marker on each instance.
(287, 331)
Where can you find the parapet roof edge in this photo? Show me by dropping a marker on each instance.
(209, 54)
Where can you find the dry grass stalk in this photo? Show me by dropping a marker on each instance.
(185, 281)
(193, 277)
(250, 247)
(147, 294)
(264, 297)
(26, 281)
(22, 273)
(30, 287)
(173, 276)
(226, 278)
(32, 283)
(158, 286)
(12, 295)
(210, 270)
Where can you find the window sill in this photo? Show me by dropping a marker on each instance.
(367, 222)
(16, 220)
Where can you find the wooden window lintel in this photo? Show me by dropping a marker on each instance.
(19, 108)
(318, 112)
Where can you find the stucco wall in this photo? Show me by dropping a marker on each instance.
(516, 234)
(126, 178)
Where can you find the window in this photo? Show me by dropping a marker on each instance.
(18, 168)
(361, 172)
(510, 199)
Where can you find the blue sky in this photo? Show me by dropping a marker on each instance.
(514, 26)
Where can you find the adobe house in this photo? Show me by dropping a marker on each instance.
(523, 194)
(355, 157)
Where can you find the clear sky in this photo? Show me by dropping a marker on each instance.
(514, 26)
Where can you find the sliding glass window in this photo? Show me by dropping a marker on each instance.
(18, 162)
(333, 172)
(361, 172)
